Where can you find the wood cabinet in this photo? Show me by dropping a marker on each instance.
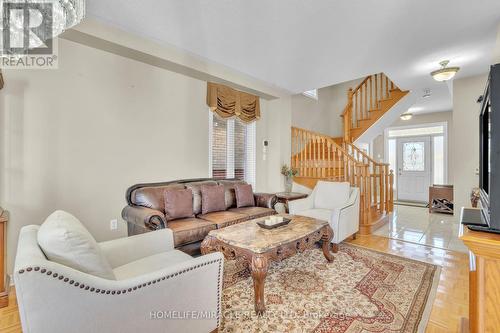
(4, 280)
(484, 280)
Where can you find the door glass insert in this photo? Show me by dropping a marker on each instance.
(413, 156)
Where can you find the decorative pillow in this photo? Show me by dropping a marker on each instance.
(178, 204)
(64, 239)
(212, 198)
(244, 195)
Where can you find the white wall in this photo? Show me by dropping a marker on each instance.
(275, 126)
(322, 115)
(496, 53)
(420, 119)
(75, 138)
(466, 137)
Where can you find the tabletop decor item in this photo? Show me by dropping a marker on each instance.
(273, 222)
(289, 173)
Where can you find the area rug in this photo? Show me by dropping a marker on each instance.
(360, 291)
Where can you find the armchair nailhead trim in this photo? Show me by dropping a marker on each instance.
(118, 292)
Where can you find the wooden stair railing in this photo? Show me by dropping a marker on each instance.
(318, 157)
(380, 191)
(366, 103)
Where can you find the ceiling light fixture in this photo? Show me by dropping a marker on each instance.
(445, 73)
(64, 14)
(406, 116)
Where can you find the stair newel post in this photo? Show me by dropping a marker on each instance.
(297, 147)
(352, 171)
(316, 156)
(328, 163)
(371, 92)
(365, 88)
(382, 190)
(368, 187)
(303, 148)
(386, 87)
(362, 199)
(346, 167)
(349, 117)
(382, 92)
(376, 89)
(323, 173)
(386, 187)
(391, 192)
(307, 155)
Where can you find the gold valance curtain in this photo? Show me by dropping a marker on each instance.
(227, 103)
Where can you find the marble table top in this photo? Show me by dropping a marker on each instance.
(248, 235)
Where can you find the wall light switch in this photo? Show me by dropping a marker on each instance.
(113, 224)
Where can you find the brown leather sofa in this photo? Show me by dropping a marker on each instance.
(146, 211)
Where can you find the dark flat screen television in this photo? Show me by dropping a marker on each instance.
(489, 154)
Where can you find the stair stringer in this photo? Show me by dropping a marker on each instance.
(387, 119)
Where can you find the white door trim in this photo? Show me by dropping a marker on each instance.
(445, 144)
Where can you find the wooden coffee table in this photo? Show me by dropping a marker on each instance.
(258, 246)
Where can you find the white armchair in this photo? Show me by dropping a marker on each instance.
(335, 202)
(156, 288)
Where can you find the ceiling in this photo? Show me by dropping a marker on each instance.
(299, 45)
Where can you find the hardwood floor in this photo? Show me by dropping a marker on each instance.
(450, 305)
(9, 316)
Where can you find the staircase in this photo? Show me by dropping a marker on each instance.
(367, 103)
(320, 157)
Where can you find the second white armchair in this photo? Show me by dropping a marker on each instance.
(335, 202)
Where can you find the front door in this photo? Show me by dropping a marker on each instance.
(414, 168)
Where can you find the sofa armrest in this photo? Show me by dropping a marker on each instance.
(297, 206)
(144, 217)
(266, 200)
(353, 198)
(124, 250)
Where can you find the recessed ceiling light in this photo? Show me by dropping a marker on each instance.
(445, 73)
(406, 116)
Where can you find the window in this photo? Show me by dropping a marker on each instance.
(231, 149)
(438, 156)
(431, 130)
(311, 93)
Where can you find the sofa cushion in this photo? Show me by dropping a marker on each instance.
(330, 195)
(244, 195)
(212, 198)
(229, 194)
(224, 218)
(189, 230)
(152, 197)
(150, 264)
(253, 212)
(178, 204)
(195, 187)
(64, 239)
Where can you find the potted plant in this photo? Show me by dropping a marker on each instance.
(289, 173)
